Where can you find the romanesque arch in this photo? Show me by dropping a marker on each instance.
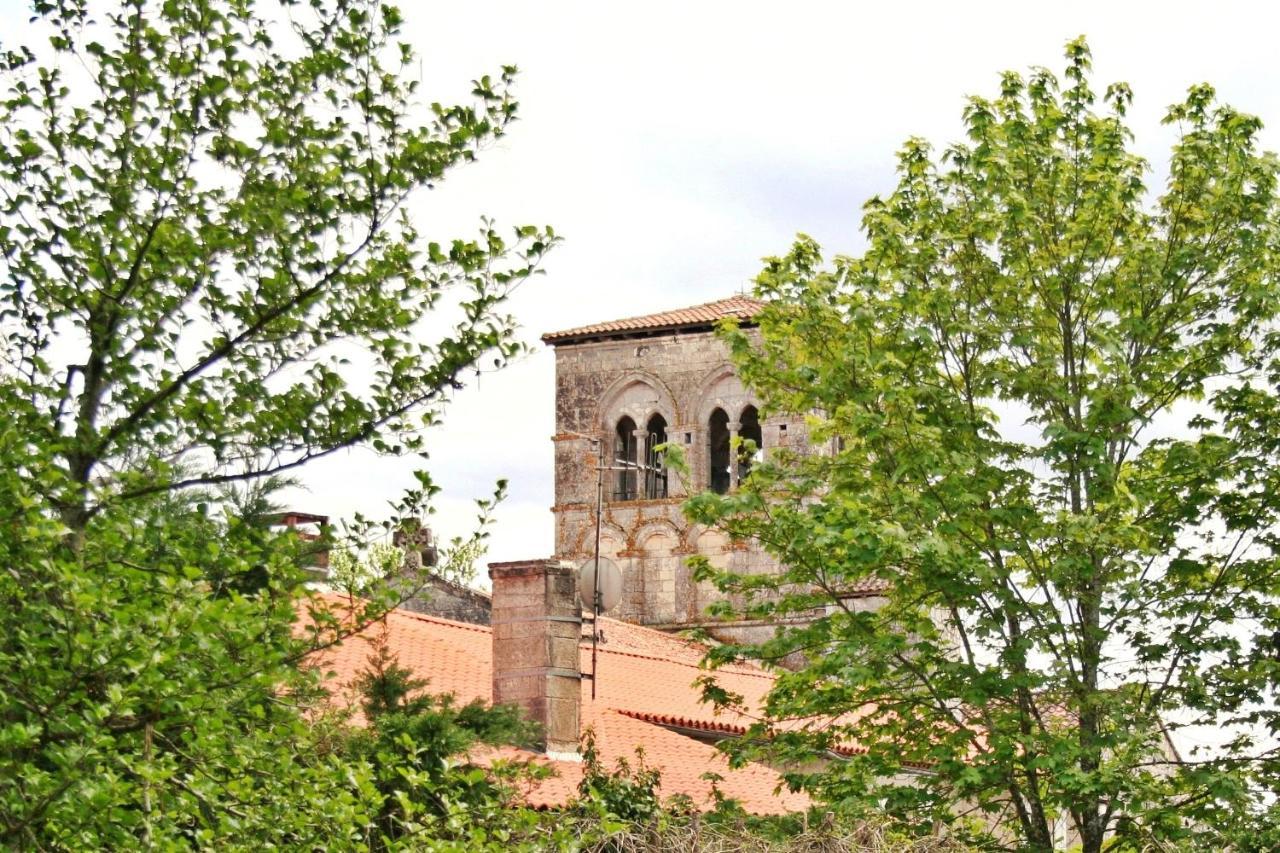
(652, 526)
(719, 388)
(724, 407)
(659, 568)
(639, 395)
(633, 414)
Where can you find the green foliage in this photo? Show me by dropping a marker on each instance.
(206, 238)
(625, 793)
(208, 278)
(1044, 409)
(354, 573)
(695, 834)
(459, 559)
(140, 705)
(412, 741)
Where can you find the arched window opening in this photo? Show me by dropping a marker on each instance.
(749, 432)
(718, 444)
(624, 460)
(655, 472)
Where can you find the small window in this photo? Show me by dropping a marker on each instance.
(655, 471)
(750, 432)
(718, 449)
(624, 460)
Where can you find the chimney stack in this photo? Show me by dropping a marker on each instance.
(537, 623)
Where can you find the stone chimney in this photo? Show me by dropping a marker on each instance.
(537, 623)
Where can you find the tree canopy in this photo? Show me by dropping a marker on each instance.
(1043, 409)
(209, 276)
(203, 228)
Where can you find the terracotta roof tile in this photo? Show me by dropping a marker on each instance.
(682, 761)
(707, 314)
(645, 681)
(865, 587)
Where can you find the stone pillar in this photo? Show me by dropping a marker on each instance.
(641, 461)
(734, 450)
(537, 623)
(679, 485)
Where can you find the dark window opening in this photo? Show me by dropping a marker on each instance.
(655, 472)
(624, 460)
(751, 440)
(718, 443)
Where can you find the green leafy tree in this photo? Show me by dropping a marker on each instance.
(200, 236)
(209, 277)
(1044, 416)
(412, 741)
(354, 573)
(624, 793)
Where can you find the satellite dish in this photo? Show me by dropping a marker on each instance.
(610, 584)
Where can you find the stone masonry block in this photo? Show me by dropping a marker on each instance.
(536, 630)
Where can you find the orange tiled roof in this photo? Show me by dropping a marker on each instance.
(866, 586)
(645, 682)
(707, 314)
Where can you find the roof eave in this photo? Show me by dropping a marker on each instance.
(556, 339)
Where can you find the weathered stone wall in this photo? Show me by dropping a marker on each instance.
(684, 377)
(438, 597)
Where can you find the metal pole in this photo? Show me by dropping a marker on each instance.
(595, 593)
(627, 465)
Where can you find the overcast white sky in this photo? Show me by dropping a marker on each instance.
(675, 144)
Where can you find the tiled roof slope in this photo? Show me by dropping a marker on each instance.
(681, 760)
(866, 586)
(645, 678)
(707, 314)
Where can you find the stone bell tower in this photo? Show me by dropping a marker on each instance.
(635, 384)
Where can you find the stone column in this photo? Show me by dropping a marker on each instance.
(641, 460)
(537, 624)
(734, 426)
(678, 485)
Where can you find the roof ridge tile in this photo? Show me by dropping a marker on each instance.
(738, 305)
